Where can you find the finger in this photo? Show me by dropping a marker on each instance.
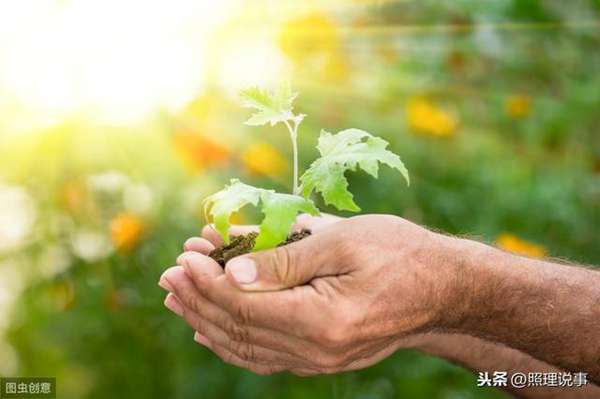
(173, 304)
(198, 244)
(267, 346)
(245, 345)
(287, 266)
(232, 318)
(212, 235)
(264, 346)
(248, 349)
(231, 358)
(206, 265)
(291, 312)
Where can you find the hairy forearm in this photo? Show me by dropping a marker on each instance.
(548, 310)
(480, 355)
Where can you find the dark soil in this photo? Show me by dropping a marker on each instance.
(239, 245)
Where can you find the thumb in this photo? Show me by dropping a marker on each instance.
(282, 267)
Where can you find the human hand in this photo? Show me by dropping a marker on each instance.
(344, 298)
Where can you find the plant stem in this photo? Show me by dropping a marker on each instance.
(294, 136)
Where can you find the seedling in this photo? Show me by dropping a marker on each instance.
(350, 149)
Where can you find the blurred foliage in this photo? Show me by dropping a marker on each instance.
(493, 106)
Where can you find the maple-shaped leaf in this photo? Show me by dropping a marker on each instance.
(347, 150)
(221, 205)
(279, 211)
(271, 106)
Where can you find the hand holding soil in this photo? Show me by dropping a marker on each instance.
(355, 290)
(339, 314)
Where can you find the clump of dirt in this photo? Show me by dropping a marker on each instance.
(295, 236)
(239, 245)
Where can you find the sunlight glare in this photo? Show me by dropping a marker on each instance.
(115, 60)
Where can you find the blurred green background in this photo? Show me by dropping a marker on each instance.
(117, 119)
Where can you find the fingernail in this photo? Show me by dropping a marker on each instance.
(172, 303)
(182, 258)
(193, 260)
(188, 243)
(242, 269)
(164, 284)
(201, 339)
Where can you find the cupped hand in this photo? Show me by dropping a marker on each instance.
(343, 298)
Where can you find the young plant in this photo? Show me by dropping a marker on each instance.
(350, 149)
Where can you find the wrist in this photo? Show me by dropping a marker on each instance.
(448, 280)
(463, 265)
(482, 277)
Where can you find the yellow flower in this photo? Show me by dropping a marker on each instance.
(512, 243)
(308, 35)
(263, 159)
(126, 231)
(426, 117)
(517, 106)
(336, 68)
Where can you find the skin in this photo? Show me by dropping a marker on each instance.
(320, 305)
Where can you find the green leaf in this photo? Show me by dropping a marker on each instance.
(348, 150)
(231, 199)
(280, 211)
(272, 106)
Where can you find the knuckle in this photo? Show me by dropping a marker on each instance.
(192, 301)
(242, 313)
(201, 281)
(207, 231)
(334, 337)
(244, 351)
(235, 331)
(282, 265)
(199, 326)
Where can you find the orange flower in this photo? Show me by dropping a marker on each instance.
(126, 231)
(307, 35)
(198, 151)
(426, 117)
(512, 243)
(263, 159)
(517, 106)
